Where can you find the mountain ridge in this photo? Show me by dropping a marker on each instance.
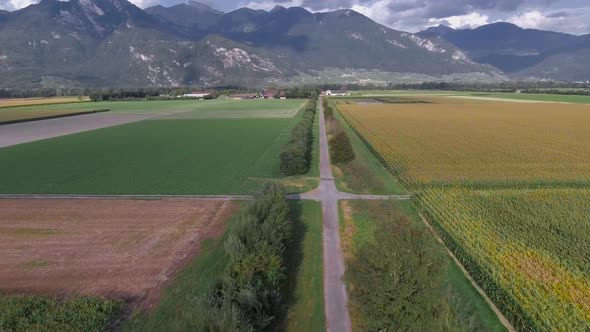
(115, 43)
(522, 53)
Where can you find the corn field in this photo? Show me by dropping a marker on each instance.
(514, 206)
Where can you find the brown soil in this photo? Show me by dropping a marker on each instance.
(124, 249)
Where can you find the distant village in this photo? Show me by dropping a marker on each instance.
(263, 94)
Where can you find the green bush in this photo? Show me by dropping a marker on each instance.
(397, 280)
(329, 113)
(341, 151)
(247, 298)
(34, 313)
(296, 156)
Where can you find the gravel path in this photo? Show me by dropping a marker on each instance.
(336, 298)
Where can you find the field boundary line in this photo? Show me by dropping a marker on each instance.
(49, 117)
(123, 196)
(483, 294)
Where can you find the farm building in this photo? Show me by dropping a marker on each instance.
(197, 94)
(243, 96)
(269, 94)
(336, 93)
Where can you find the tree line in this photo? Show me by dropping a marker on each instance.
(304, 91)
(341, 151)
(397, 278)
(247, 297)
(295, 158)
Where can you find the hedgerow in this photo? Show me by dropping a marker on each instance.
(296, 156)
(247, 298)
(341, 151)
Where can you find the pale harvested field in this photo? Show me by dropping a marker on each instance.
(451, 140)
(19, 133)
(116, 248)
(11, 102)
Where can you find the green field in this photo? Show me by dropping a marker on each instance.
(149, 157)
(168, 156)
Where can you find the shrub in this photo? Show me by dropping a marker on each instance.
(329, 113)
(247, 298)
(341, 151)
(296, 156)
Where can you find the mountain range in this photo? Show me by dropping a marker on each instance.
(113, 43)
(522, 53)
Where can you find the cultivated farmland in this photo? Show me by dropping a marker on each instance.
(13, 116)
(464, 141)
(121, 249)
(167, 155)
(12, 102)
(506, 185)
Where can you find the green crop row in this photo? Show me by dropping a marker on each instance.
(32, 313)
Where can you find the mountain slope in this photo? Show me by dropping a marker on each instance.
(114, 43)
(521, 52)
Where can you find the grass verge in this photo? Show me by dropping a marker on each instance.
(180, 307)
(304, 289)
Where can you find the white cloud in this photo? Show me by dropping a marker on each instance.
(15, 4)
(470, 20)
(533, 19)
(265, 5)
(377, 11)
(573, 20)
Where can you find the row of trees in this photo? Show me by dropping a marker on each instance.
(397, 279)
(247, 298)
(296, 156)
(341, 151)
(304, 91)
(503, 86)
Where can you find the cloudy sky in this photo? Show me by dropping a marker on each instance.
(572, 16)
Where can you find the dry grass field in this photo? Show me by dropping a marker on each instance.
(12, 102)
(507, 186)
(451, 140)
(123, 249)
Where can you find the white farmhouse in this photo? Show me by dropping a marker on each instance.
(336, 93)
(197, 94)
